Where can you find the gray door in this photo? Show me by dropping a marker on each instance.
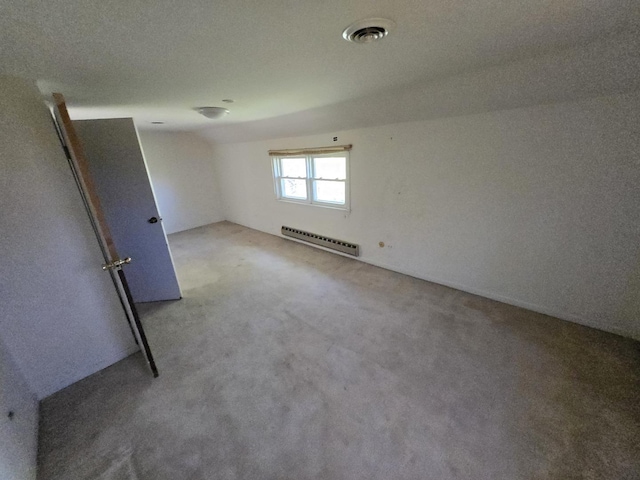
(117, 165)
(86, 185)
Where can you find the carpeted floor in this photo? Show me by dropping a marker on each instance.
(286, 362)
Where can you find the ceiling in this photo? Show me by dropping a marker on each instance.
(156, 60)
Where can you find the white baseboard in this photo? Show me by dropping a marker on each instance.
(587, 322)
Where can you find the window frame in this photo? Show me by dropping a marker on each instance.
(310, 180)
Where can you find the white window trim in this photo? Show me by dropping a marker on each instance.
(277, 181)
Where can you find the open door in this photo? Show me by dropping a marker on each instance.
(117, 166)
(113, 261)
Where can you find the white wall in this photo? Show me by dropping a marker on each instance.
(537, 207)
(18, 434)
(60, 317)
(182, 173)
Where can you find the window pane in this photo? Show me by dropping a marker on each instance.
(293, 167)
(294, 188)
(333, 192)
(330, 167)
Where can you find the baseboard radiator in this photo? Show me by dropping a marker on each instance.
(332, 243)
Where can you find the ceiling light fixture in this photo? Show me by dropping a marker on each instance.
(368, 30)
(157, 123)
(227, 100)
(212, 112)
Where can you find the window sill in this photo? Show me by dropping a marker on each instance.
(320, 205)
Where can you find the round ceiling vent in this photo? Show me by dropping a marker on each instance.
(367, 31)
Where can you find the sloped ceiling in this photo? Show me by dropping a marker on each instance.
(287, 67)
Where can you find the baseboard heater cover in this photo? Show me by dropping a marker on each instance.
(332, 243)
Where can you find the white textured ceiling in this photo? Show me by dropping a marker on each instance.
(155, 60)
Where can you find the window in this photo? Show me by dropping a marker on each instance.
(312, 178)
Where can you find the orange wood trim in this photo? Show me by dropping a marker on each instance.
(76, 152)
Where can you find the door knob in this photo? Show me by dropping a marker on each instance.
(153, 220)
(116, 264)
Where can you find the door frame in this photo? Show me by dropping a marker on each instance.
(113, 263)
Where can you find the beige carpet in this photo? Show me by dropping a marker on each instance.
(286, 362)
